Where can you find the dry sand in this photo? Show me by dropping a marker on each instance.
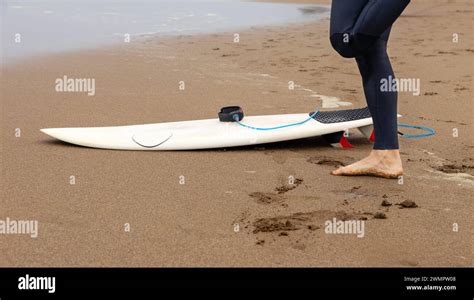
(192, 224)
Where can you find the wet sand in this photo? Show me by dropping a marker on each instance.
(194, 224)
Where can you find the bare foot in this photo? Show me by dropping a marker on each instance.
(380, 163)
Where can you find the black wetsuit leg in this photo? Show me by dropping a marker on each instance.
(374, 66)
(360, 29)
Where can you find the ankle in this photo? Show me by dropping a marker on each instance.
(386, 154)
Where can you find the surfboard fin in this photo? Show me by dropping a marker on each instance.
(337, 140)
(368, 132)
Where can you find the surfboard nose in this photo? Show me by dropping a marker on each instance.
(89, 137)
(52, 132)
(69, 135)
(58, 133)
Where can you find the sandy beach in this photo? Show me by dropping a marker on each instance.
(235, 206)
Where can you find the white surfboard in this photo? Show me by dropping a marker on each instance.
(212, 133)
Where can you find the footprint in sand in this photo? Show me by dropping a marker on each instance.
(301, 221)
(267, 198)
(277, 197)
(454, 168)
(285, 188)
(329, 161)
(462, 172)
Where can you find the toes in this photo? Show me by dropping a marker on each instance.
(339, 171)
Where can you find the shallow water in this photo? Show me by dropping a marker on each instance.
(38, 27)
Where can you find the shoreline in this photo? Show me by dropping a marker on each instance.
(199, 29)
(193, 224)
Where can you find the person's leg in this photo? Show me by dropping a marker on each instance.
(384, 160)
(366, 40)
(375, 67)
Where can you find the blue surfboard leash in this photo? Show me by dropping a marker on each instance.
(430, 131)
(278, 127)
